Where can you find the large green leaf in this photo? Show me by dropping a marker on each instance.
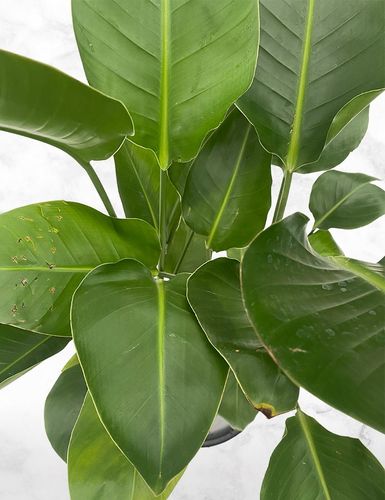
(235, 408)
(62, 408)
(138, 177)
(228, 190)
(40, 102)
(155, 379)
(341, 146)
(312, 463)
(321, 318)
(21, 350)
(318, 59)
(177, 65)
(47, 249)
(97, 469)
(215, 295)
(345, 200)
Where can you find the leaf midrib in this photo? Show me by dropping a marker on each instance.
(25, 354)
(313, 452)
(295, 137)
(164, 84)
(161, 366)
(48, 269)
(319, 221)
(229, 189)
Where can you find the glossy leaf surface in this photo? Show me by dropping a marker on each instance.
(138, 177)
(47, 249)
(312, 463)
(177, 66)
(228, 189)
(317, 60)
(344, 200)
(21, 350)
(235, 408)
(43, 103)
(321, 318)
(97, 469)
(142, 351)
(62, 408)
(215, 295)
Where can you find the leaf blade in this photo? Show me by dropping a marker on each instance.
(21, 350)
(153, 329)
(305, 465)
(46, 251)
(62, 111)
(320, 317)
(159, 77)
(307, 50)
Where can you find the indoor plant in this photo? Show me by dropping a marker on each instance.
(46, 239)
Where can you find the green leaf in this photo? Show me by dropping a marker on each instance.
(43, 103)
(142, 353)
(97, 469)
(47, 249)
(186, 251)
(321, 318)
(177, 66)
(324, 243)
(319, 66)
(346, 201)
(138, 177)
(62, 408)
(228, 190)
(21, 350)
(341, 146)
(312, 463)
(215, 296)
(235, 408)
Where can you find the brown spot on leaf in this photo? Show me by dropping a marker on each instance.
(24, 282)
(52, 290)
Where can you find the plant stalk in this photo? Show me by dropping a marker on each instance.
(184, 251)
(162, 219)
(99, 187)
(283, 196)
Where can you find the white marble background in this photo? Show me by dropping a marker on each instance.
(32, 172)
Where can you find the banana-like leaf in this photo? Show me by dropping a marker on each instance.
(309, 49)
(142, 351)
(62, 408)
(97, 469)
(215, 295)
(178, 66)
(312, 463)
(235, 408)
(320, 317)
(47, 249)
(186, 251)
(43, 103)
(228, 189)
(341, 146)
(21, 350)
(345, 200)
(138, 176)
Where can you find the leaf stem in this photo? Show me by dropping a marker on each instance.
(283, 196)
(184, 251)
(162, 219)
(98, 186)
